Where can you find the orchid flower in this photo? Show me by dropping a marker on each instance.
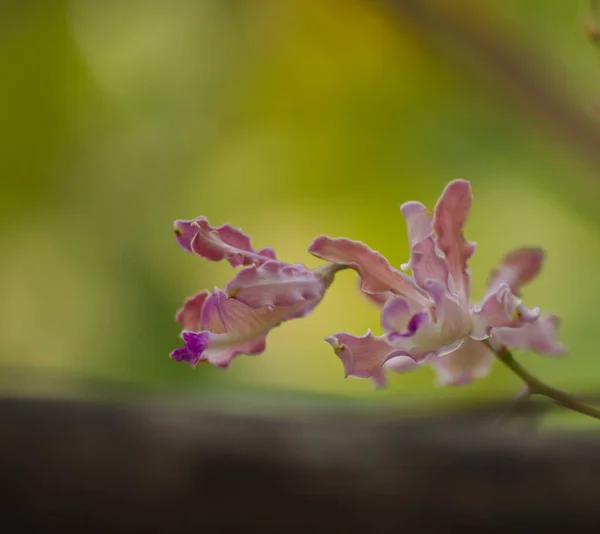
(225, 323)
(428, 318)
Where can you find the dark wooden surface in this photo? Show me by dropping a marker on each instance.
(96, 467)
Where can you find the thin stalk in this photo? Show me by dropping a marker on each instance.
(537, 387)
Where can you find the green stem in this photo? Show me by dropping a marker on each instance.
(537, 387)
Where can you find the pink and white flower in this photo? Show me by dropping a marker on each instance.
(225, 323)
(428, 318)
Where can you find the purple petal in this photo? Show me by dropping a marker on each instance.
(500, 309)
(362, 357)
(195, 342)
(377, 274)
(189, 315)
(539, 336)
(451, 212)
(517, 268)
(219, 243)
(470, 361)
(183, 355)
(275, 284)
(195, 345)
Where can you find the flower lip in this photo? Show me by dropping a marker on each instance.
(416, 322)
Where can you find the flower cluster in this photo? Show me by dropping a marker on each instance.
(427, 318)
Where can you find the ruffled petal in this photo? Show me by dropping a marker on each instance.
(240, 321)
(426, 264)
(500, 309)
(230, 327)
(378, 276)
(428, 330)
(184, 233)
(451, 212)
(470, 361)
(540, 336)
(190, 314)
(221, 356)
(419, 224)
(363, 356)
(274, 284)
(517, 268)
(222, 243)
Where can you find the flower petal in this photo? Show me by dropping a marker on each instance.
(275, 284)
(517, 268)
(451, 212)
(539, 336)
(400, 321)
(500, 309)
(189, 315)
(363, 356)
(221, 356)
(184, 233)
(222, 243)
(419, 222)
(427, 265)
(195, 344)
(470, 361)
(230, 327)
(215, 349)
(378, 276)
(238, 320)
(397, 364)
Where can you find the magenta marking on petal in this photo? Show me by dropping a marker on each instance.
(416, 321)
(195, 342)
(181, 355)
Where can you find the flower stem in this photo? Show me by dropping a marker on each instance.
(537, 387)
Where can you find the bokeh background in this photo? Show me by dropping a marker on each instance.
(288, 119)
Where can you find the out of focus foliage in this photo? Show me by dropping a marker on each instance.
(288, 119)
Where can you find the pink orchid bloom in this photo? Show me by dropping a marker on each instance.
(219, 326)
(428, 318)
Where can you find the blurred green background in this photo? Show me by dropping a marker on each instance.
(288, 119)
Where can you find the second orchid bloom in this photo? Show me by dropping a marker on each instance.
(427, 318)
